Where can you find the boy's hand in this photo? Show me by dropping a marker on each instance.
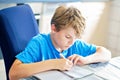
(77, 59)
(63, 64)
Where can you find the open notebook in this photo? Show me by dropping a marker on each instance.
(109, 73)
(75, 73)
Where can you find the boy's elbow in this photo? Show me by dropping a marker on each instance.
(12, 76)
(107, 54)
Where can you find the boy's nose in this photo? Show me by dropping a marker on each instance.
(71, 41)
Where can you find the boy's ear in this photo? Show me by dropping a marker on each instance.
(53, 28)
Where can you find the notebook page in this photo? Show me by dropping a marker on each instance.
(109, 72)
(78, 72)
(52, 75)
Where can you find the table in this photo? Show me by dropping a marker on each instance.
(97, 71)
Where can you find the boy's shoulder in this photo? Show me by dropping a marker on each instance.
(40, 37)
(79, 41)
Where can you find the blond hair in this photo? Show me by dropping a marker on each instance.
(65, 17)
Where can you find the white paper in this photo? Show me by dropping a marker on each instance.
(109, 72)
(78, 72)
(115, 62)
(52, 75)
(74, 73)
(92, 77)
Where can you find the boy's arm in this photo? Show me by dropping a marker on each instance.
(101, 55)
(20, 70)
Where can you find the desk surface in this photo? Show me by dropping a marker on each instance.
(98, 71)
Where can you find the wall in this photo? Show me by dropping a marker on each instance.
(107, 29)
(99, 35)
(113, 38)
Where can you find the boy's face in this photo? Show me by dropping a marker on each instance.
(63, 39)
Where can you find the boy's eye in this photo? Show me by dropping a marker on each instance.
(67, 36)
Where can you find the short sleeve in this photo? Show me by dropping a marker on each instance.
(30, 53)
(83, 48)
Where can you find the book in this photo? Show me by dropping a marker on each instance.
(109, 73)
(76, 72)
(52, 75)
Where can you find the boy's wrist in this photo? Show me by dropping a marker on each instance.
(88, 60)
(55, 64)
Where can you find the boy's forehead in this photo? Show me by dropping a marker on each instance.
(70, 31)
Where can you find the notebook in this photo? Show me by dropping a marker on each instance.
(76, 72)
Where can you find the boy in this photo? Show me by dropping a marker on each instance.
(43, 51)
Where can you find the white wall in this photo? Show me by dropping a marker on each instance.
(106, 29)
(113, 41)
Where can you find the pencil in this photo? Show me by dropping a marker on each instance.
(61, 55)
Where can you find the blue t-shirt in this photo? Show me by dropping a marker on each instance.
(40, 48)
